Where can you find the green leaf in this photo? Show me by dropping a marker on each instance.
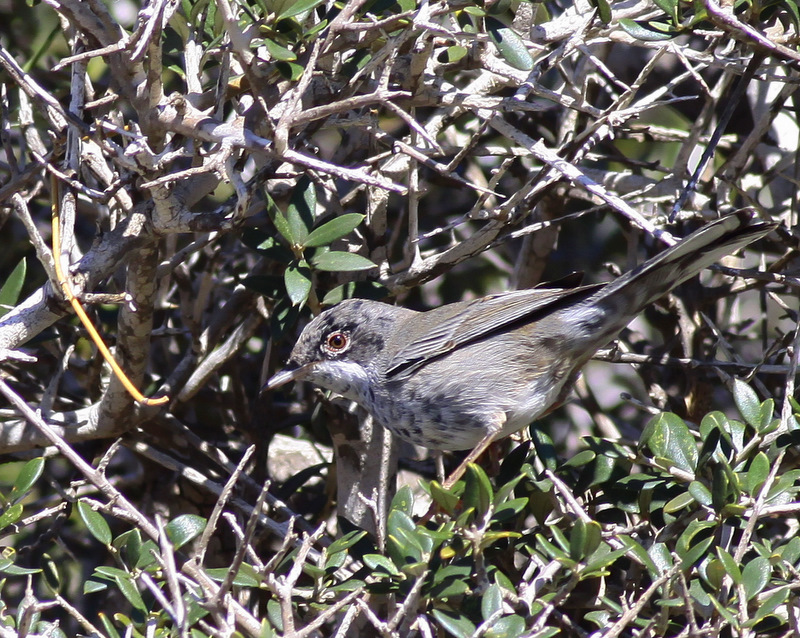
(403, 544)
(602, 558)
(757, 473)
(344, 543)
(680, 502)
(722, 487)
(129, 545)
(584, 457)
(282, 225)
(584, 539)
(603, 10)
(478, 492)
(478, 12)
(670, 7)
(695, 553)
(95, 522)
(700, 493)
(290, 70)
(339, 261)
(27, 476)
(765, 421)
(247, 576)
(668, 436)
(297, 7)
(146, 554)
(660, 555)
(454, 623)
(445, 499)
(128, 588)
(715, 573)
(92, 586)
(110, 572)
(553, 551)
(16, 570)
(769, 605)
(545, 449)
(11, 515)
(266, 245)
(9, 292)
(647, 32)
(451, 581)
(378, 562)
(301, 210)
(730, 565)
(509, 509)
(270, 286)
(185, 528)
(108, 626)
(492, 601)
(755, 576)
(297, 278)
(694, 542)
(508, 627)
(510, 46)
(747, 403)
(637, 551)
(334, 229)
(278, 52)
(455, 53)
(404, 500)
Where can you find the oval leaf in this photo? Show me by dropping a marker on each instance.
(603, 10)
(453, 623)
(757, 473)
(680, 502)
(755, 576)
(492, 601)
(11, 515)
(185, 528)
(301, 210)
(730, 565)
(670, 438)
(95, 522)
(297, 279)
(297, 7)
(747, 402)
(379, 563)
(128, 588)
(700, 493)
(278, 52)
(333, 230)
(337, 261)
(443, 498)
(27, 476)
(477, 490)
(404, 500)
(509, 44)
(648, 32)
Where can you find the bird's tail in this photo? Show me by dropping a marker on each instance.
(632, 292)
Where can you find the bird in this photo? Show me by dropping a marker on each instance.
(465, 374)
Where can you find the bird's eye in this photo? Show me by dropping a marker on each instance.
(337, 342)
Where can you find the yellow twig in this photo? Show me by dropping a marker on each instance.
(87, 323)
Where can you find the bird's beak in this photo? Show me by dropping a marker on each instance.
(285, 376)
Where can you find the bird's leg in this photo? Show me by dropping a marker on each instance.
(438, 459)
(494, 429)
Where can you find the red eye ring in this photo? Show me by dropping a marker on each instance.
(337, 341)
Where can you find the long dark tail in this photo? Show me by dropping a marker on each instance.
(632, 292)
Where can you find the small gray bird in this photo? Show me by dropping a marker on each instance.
(462, 375)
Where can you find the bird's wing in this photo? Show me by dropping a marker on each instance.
(456, 325)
